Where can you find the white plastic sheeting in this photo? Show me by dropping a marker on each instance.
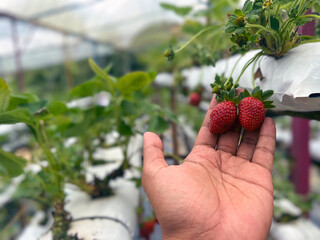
(111, 218)
(48, 32)
(294, 78)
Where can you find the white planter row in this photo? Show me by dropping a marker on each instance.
(111, 218)
(300, 229)
(294, 78)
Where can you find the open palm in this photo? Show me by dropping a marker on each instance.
(222, 190)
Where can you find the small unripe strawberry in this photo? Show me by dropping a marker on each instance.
(251, 113)
(194, 99)
(222, 117)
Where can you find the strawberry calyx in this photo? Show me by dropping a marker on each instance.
(221, 83)
(260, 95)
(230, 95)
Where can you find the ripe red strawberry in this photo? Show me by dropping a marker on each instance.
(252, 108)
(222, 117)
(251, 113)
(194, 99)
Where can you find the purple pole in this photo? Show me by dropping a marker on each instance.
(300, 142)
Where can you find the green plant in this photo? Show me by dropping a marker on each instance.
(207, 43)
(53, 122)
(270, 26)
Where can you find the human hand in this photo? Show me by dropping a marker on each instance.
(220, 191)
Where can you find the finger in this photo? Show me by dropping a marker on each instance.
(264, 152)
(228, 141)
(153, 158)
(205, 137)
(248, 144)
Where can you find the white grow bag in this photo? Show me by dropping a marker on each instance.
(111, 218)
(295, 78)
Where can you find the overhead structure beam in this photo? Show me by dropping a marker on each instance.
(62, 9)
(37, 23)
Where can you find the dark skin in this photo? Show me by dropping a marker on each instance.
(222, 190)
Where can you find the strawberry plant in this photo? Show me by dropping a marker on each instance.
(207, 41)
(270, 26)
(53, 123)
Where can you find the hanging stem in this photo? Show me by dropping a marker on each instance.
(194, 37)
(309, 16)
(247, 65)
(234, 67)
(272, 32)
(278, 8)
(174, 157)
(253, 67)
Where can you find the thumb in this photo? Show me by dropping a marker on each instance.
(153, 158)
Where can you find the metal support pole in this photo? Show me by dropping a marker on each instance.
(300, 143)
(68, 64)
(17, 54)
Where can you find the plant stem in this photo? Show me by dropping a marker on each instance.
(278, 8)
(259, 54)
(194, 37)
(173, 156)
(309, 16)
(43, 145)
(272, 32)
(234, 67)
(301, 7)
(253, 67)
(308, 41)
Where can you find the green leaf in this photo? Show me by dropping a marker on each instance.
(267, 94)
(101, 73)
(240, 30)
(246, 93)
(20, 115)
(269, 106)
(127, 108)
(56, 107)
(253, 18)
(247, 7)
(254, 38)
(158, 125)
(232, 93)
(152, 75)
(255, 90)
(89, 88)
(170, 115)
(133, 81)
(233, 48)
(182, 11)
(230, 28)
(4, 95)
(34, 106)
(268, 102)
(12, 164)
(124, 129)
(18, 99)
(275, 25)
(238, 12)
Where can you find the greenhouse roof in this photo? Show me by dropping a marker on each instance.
(42, 33)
